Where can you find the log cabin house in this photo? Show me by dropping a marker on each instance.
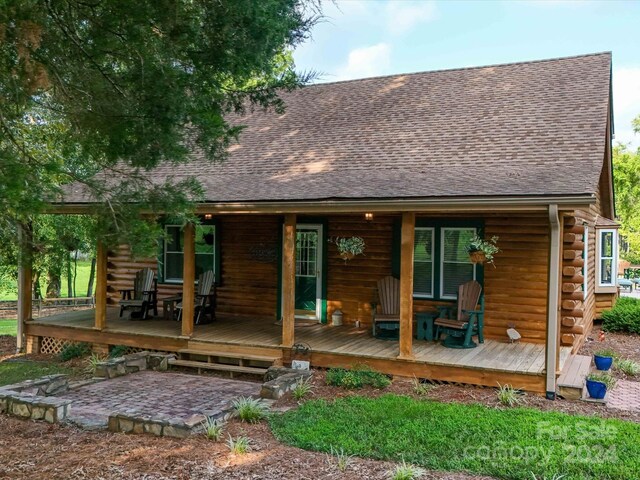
(413, 164)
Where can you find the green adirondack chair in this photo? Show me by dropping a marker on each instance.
(468, 321)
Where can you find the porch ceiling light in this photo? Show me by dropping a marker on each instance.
(208, 216)
(368, 216)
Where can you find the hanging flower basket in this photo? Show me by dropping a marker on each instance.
(477, 257)
(347, 256)
(349, 248)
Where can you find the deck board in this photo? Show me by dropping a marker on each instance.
(521, 358)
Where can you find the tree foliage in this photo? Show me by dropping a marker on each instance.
(119, 87)
(626, 174)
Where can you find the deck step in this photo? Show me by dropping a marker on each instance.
(221, 367)
(571, 380)
(241, 356)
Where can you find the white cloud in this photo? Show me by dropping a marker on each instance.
(626, 102)
(366, 62)
(403, 17)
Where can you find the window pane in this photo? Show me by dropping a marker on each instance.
(455, 242)
(422, 276)
(174, 239)
(205, 238)
(173, 268)
(423, 245)
(607, 244)
(453, 275)
(204, 262)
(605, 271)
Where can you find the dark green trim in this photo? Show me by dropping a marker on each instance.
(437, 224)
(396, 238)
(325, 264)
(217, 267)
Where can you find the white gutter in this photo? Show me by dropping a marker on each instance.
(553, 303)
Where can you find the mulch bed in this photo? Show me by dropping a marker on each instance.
(626, 345)
(37, 450)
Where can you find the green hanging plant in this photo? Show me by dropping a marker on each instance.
(349, 247)
(481, 250)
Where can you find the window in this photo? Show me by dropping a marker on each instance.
(456, 267)
(423, 263)
(585, 256)
(441, 262)
(205, 250)
(607, 258)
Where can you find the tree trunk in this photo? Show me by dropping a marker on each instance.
(37, 293)
(69, 277)
(92, 276)
(75, 272)
(53, 284)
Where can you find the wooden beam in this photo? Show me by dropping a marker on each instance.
(289, 280)
(101, 286)
(188, 279)
(25, 289)
(406, 284)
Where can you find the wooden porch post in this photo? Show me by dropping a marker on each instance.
(101, 286)
(289, 280)
(188, 280)
(406, 284)
(25, 289)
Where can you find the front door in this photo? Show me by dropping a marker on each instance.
(308, 271)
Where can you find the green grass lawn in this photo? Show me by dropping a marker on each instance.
(82, 282)
(511, 444)
(17, 371)
(8, 327)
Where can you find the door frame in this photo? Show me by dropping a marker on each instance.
(321, 263)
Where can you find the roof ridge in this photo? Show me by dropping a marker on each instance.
(553, 59)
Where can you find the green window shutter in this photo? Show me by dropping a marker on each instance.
(396, 235)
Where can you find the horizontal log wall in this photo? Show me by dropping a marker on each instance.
(580, 310)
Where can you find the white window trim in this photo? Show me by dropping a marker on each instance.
(613, 257)
(164, 255)
(585, 268)
(433, 247)
(442, 262)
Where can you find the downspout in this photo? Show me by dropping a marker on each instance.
(552, 312)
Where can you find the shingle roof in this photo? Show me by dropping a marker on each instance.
(532, 128)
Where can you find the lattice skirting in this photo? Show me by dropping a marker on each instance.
(53, 345)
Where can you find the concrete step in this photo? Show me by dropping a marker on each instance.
(572, 378)
(221, 367)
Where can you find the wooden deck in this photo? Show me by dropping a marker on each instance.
(520, 364)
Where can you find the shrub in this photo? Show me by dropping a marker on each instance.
(623, 317)
(340, 458)
(213, 429)
(239, 446)
(357, 377)
(406, 471)
(92, 363)
(74, 350)
(509, 396)
(605, 378)
(302, 388)
(420, 388)
(627, 366)
(118, 351)
(250, 410)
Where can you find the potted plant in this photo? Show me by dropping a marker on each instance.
(604, 358)
(481, 250)
(599, 383)
(349, 247)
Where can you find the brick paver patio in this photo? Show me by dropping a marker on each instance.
(625, 396)
(154, 393)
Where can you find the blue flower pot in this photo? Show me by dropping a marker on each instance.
(603, 363)
(596, 390)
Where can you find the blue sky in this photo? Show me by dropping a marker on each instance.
(363, 38)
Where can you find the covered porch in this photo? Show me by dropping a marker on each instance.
(520, 364)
